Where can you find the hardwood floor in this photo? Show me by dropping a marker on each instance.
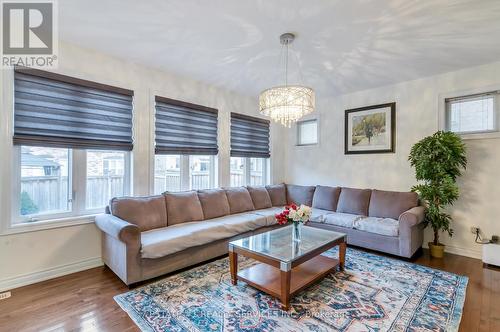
(83, 301)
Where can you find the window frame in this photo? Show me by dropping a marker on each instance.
(77, 178)
(443, 117)
(298, 131)
(247, 172)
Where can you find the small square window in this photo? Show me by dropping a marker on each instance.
(473, 114)
(307, 132)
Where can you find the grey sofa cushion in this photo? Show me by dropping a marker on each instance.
(269, 214)
(260, 197)
(214, 203)
(341, 219)
(239, 199)
(355, 201)
(382, 226)
(145, 212)
(168, 240)
(183, 207)
(277, 192)
(326, 198)
(318, 215)
(391, 204)
(299, 194)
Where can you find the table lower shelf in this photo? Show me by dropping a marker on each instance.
(268, 278)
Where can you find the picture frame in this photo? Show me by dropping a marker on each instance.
(370, 129)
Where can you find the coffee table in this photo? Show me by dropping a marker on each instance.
(286, 266)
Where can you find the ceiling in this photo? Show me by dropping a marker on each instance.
(342, 46)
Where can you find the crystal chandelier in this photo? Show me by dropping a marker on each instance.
(286, 104)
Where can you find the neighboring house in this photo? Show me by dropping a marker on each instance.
(38, 165)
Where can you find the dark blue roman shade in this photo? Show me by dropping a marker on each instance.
(249, 136)
(61, 111)
(185, 128)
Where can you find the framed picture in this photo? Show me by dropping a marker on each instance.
(370, 129)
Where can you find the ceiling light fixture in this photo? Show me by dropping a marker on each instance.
(286, 104)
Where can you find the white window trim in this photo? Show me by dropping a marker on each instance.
(442, 111)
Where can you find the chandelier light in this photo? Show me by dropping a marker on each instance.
(286, 104)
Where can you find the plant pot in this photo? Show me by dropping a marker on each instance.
(437, 251)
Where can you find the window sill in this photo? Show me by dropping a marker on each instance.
(309, 144)
(48, 224)
(491, 135)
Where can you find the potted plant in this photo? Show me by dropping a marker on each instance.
(296, 215)
(439, 160)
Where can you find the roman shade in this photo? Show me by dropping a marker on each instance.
(249, 136)
(185, 128)
(61, 111)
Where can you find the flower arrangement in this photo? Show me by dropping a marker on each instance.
(294, 214)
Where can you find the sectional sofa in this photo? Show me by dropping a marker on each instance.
(145, 237)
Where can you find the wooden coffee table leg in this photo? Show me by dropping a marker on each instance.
(342, 250)
(233, 266)
(285, 289)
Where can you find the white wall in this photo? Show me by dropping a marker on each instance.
(32, 256)
(417, 104)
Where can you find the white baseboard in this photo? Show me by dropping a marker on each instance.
(58, 271)
(467, 252)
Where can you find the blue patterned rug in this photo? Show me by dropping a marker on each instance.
(375, 293)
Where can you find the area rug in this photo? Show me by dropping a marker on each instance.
(374, 293)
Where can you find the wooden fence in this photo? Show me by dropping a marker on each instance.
(50, 193)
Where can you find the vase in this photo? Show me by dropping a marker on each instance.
(297, 231)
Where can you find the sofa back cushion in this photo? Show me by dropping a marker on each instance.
(277, 193)
(326, 198)
(183, 207)
(214, 203)
(260, 197)
(145, 212)
(239, 199)
(354, 201)
(390, 204)
(299, 194)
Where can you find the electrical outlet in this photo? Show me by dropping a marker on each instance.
(4, 296)
(474, 230)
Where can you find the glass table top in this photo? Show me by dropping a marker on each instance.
(279, 244)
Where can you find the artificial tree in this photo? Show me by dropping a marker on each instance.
(439, 160)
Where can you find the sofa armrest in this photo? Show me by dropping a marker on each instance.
(411, 231)
(412, 217)
(118, 228)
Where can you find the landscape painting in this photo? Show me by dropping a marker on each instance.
(370, 129)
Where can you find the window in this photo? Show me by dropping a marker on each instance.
(107, 177)
(167, 173)
(184, 172)
(201, 172)
(307, 132)
(249, 171)
(185, 146)
(249, 150)
(53, 184)
(45, 181)
(63, 130)
(473, 114)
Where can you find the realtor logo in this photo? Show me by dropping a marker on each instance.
(28, 34)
